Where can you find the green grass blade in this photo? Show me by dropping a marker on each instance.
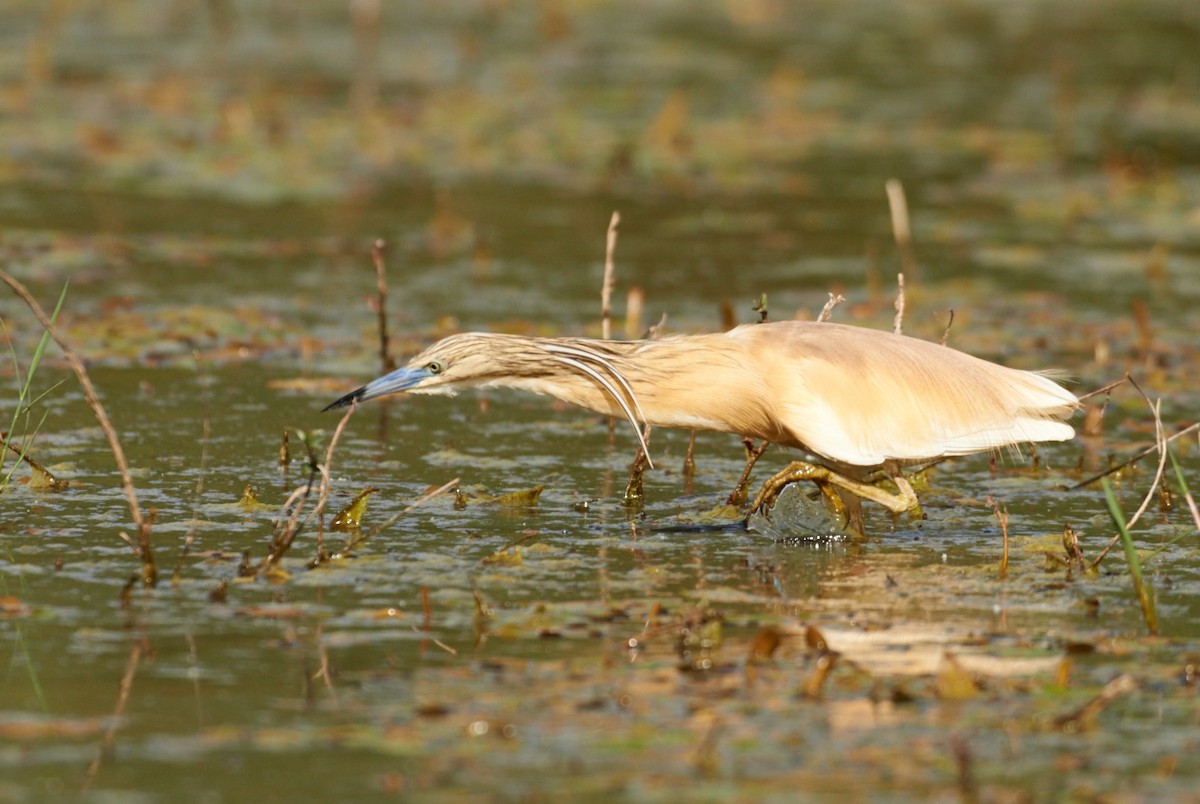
(1140, 585)
(43, 342)
(1183, 488)
(23, 401)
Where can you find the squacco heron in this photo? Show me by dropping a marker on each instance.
(856, 398)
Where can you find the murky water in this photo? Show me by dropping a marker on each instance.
(215, 227)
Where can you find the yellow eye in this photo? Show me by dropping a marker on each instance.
(436, 367)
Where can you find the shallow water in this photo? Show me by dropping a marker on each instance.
(215, 226)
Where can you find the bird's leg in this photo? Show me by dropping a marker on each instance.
(905, 500)
(737, 497)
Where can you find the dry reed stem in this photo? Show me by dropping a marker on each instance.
(1161, 441)
(1137, 456)
(142, 547)
(834, 300)
(381, 290)
(283, 540)
(946, 333)
(1104, 390)
(323, 490)
(898, 321)
(610, 277)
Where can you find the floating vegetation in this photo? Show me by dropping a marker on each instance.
(219, 203)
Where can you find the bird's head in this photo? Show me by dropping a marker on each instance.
(470, 358)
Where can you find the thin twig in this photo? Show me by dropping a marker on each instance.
(323, 492)
(606, 288)
(350, 545)
(834, 300)
(1161, 442)
(22, 453)
(1104, 390)
(1137, 456)
(946, 333)
(610, 277)
(285, 535)
(381, 289)
(898, 322)
(142, 547)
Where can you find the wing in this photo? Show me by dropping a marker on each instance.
(862, 396)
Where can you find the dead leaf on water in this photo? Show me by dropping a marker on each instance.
(518, 499)
(350, 517)
(41, 479)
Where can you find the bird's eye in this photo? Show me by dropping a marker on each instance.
(436, 367)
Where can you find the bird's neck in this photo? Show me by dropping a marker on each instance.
(702, 382)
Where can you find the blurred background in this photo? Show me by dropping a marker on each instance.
(249, 150)
(208, 178)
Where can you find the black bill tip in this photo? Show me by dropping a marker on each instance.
(346, 400)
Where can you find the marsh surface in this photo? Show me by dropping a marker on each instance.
(210, 181)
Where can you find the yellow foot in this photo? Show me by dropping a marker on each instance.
(824, 477)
